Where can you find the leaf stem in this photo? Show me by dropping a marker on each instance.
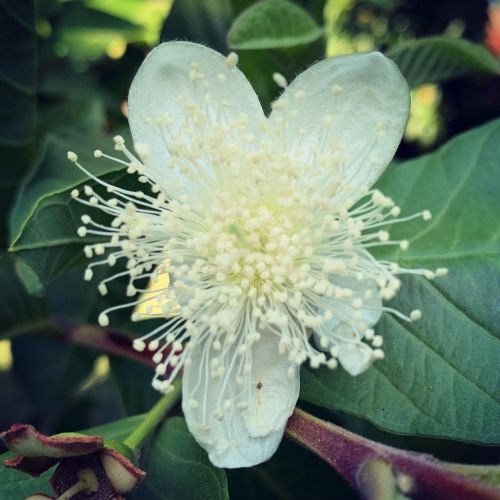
(153, 417)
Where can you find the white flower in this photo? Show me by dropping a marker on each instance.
(264, 226)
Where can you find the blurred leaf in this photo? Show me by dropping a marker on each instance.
(134, 383)
(17, 97)
(88, 32)
(44, 218)
(51, 372)
(178, 468)
(18, 310)
(202, 22)
(17, 73)
(487, 473)
(148, 15)
(432, 60)
(273, 24)
(439, 376)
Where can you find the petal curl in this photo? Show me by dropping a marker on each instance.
(242, 438)
(354, 107)
(355, 358)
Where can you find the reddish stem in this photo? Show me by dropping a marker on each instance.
(419, 475)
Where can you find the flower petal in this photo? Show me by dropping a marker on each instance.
(352, 107)
(167, 74)
(355, 358)
(242, 438)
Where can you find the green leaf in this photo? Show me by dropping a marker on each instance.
(178, 468)
(15, 484)
(435, 59)
(17, 97)
(17, 73)
(133, 381)
(44, 218)
(50, 372)
(87, 32)
(273, 24)
(202, 22)
(439, 376)
(117, 430)
(19, 312)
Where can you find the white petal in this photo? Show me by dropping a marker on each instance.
(366, 291)
(274, 394)
(355, 358)
(165, 75)
(368, 100)
(243, 438)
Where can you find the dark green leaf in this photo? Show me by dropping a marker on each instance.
(133, 381)
(202, 22)
(17, 97)
(18, 311)
(17, 73)
(44, 218)
(117, 430)
(440, 375)
(432, 60)
(273, 24)
(51, 372)
(178, 468)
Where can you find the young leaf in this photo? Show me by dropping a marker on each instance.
(434, 59)
(439, 376)
(273, 24)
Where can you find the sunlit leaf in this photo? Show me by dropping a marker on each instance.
(273, 24)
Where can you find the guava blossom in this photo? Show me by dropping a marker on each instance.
(264, 226)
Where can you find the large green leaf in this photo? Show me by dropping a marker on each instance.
(440, 375)
(178, 468)
(434, 59)
(19, 312)
(44, 218)
(273, 24)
